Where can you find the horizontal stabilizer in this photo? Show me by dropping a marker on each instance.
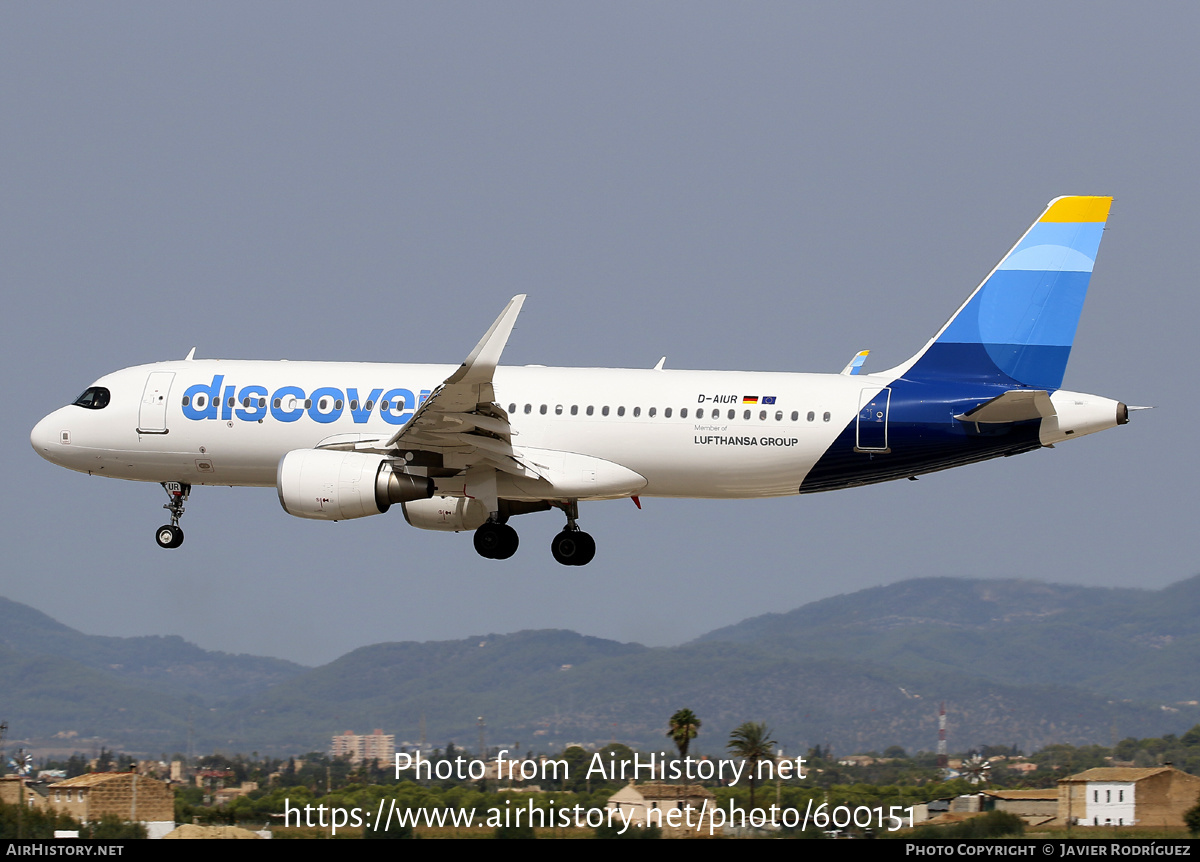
(1016, 405)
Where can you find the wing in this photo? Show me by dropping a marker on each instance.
(461, 420)
(854, 366)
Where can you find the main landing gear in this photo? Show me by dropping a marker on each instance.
(573, 547)
(169, 535)
(496, 540)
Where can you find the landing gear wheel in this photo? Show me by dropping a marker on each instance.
(587, 548)
(496, 541)
(573, 548)
(169, 536)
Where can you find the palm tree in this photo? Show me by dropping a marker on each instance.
(752, 742)
(684, 728)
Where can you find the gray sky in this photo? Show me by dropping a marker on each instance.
(768, 186)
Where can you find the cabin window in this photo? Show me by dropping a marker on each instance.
(512, 408)
(620, 411)
(732, 413)
(323, 405)
(826, 416)
(558, 410)
(528, 408)
(637, 411)
(201, 401)
(245, 402)
(778, 415)
(542, 410)
(186, 401)
(590, 410)
(746, 415)
(651, 412)
(278, 403)
(811, 416)
(353, 403)
(231, 401)
(604, 410)
(762, 415)
(574, 409)
(383, 406)
(699, 412)
(262, 402)
(337, 405)
(667, 413)
(370, 405)
(307, 403)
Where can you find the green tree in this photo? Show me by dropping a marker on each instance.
(110, 826)
(684, 727)
(1191, 819)
(752, 742)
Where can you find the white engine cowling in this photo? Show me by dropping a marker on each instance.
(329, 485)
(449, 514)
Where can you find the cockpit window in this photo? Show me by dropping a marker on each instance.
(95, 398)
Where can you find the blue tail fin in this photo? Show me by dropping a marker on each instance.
(1018, 326)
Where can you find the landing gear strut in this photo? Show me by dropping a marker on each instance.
(573, 547)
(496, 541)
(169, 535)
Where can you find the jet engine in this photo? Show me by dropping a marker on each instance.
(329, 485)
(449, 514)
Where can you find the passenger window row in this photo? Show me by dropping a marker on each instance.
(668, 412)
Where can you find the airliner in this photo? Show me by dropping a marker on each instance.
(468, 448)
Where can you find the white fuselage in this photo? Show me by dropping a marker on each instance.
(688, 433)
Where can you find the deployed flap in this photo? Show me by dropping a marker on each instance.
(1015, 405)
(462, 417)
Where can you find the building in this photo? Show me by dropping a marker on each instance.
(13, 789)
(127, 796)
(1035, 807)
(651, 804)
(373, 746)
(1127, 796)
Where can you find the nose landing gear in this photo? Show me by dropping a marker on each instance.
(169, 535)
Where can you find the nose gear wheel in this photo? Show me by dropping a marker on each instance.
(169, 535)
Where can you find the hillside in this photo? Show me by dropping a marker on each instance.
(1017, 662)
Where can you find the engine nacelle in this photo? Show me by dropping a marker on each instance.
(329, 485)
(449, 514)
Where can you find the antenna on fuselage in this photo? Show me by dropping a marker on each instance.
(191, 355)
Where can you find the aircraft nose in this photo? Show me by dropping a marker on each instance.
(44, 437)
